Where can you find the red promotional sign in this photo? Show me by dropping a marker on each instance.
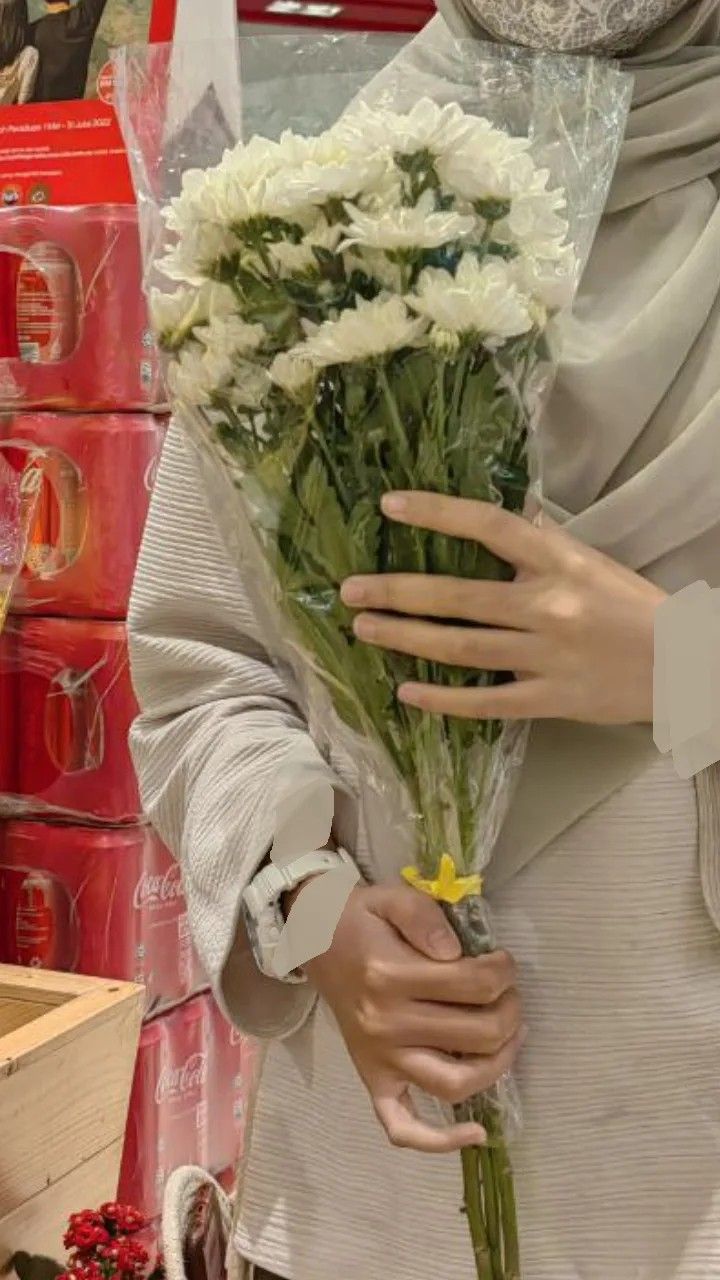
(68, 153)
(56, 146)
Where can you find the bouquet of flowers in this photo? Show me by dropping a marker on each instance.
(102, 1244)
(369, 308)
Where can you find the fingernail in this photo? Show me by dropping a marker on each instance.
(352, 591)
(365, 627)
(443, 944)
(408, 694)
(394, 504)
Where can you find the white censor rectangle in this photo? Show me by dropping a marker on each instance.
(686, 712)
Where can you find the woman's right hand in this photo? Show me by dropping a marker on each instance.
(406, 1002)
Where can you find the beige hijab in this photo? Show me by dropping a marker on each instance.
(631, 453)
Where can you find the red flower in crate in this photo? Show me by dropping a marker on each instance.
(128, 1256)
(84, 1269)
(123, 1218)
(86, 1230)
(104, 1248)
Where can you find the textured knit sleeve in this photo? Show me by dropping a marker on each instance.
(217, 721)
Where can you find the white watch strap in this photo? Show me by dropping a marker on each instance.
(261, 902)
(271, 881)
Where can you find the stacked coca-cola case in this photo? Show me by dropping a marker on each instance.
(86, 885)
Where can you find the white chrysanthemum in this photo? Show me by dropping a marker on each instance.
(250, 385)
(193, 380)
(534, 223)
(253, 161)
(175, 314)
(368, 330)
(295, 259)
(231, 191)
(489, 165)
(197, 251)
(551, 281)
(427, 127)
(199, 376)
(387, 193)
(230, 335)
(480, 298)
(294, 375)
(220, 301)
(377, 266)
(418, 227)
(316, 170)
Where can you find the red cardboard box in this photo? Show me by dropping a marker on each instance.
(97, 477)
(104, 902)
(168, 1118)
(233, 1064)
(75, 323)
(66, 707)
(189, 1100)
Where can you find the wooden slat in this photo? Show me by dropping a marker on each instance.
(37, 1226)
(16, 1013)
(64, 1087)
(44, 984)
(100, 1005)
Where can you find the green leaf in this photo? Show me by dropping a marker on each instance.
(364, 533)
(328, 537)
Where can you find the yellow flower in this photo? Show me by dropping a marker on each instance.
(449, 886)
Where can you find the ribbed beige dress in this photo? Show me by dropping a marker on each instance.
(618, 1167)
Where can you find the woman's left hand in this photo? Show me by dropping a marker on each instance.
(575, 626)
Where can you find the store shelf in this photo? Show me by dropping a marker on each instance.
(354, 15)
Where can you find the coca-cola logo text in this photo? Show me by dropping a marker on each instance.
(156, 890)
(178, 1082)
(151, 472)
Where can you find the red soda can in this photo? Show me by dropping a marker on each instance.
(67, 699)
(104, 902)
(182, 1090)
(96, 476)
(229, 1098)
(143, 1171)
(78, 286)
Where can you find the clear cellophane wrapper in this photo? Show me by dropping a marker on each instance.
(443, 784)
(18, 496)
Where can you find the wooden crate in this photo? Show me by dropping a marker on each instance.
(67, 1053)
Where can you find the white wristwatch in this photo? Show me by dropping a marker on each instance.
(261, 902)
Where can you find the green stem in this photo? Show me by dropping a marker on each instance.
(474, 1213)
(404, 457)
(492, 1212)
(509, 1218)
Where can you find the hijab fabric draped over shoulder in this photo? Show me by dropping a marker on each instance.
(630, 440)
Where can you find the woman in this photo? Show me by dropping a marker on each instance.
(18, 59)
(606, 881)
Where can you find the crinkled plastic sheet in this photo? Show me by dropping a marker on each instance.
(18, 498)
(572, 109)
(94, 475)
(66, 707)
